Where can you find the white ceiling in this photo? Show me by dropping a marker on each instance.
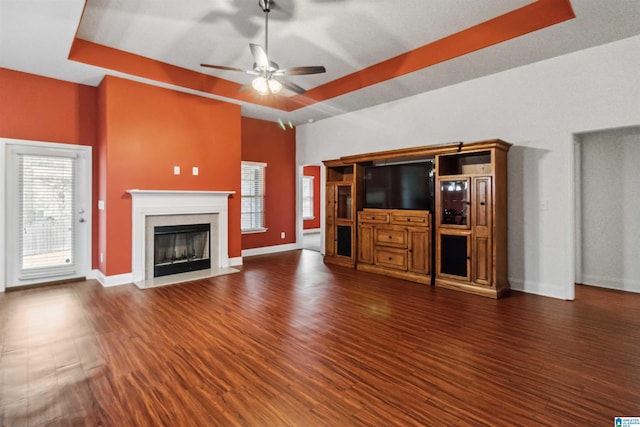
(343, 35)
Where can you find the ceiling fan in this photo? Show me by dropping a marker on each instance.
(270, 77)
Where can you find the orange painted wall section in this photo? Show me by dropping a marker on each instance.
(138, 133)
(101, 177)
(43, 109)
(146, 131)
(314, 171)
(264, 141)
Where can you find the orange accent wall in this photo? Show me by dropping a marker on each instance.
(266, 142)
(313, 171)
(102, 177)
(144, 132)
(43, 109)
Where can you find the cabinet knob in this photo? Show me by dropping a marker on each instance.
(408, 220)
(389, 258)
(481, 203)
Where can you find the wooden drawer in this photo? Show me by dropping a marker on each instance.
(373, 217)
(409, 219)
(391, 237)
(391, 258)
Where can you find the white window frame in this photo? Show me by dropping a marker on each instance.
(311, 181)
(258, 223)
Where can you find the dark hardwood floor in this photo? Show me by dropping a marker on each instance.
(291, 342)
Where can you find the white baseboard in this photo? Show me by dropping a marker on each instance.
(235, 261)
(537, 288)
(93, 274)
(620, 284)
(117, 280)
(311, 231)
(270, 249)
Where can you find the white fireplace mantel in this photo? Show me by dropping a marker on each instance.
(176, 202)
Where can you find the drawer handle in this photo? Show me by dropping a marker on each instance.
(390, 237)
(389, 258)
(481, 203)
(408, 219)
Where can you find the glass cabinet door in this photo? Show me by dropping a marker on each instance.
(454, 258)
(343, 210)
(454, 203)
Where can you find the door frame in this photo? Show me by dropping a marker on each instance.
(321, 200)
(86, 186)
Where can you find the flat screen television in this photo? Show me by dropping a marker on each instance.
(399, 186)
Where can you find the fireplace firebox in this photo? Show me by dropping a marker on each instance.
(181, 248)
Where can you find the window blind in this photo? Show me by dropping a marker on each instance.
(307, 197)
(46, 207)
(252, 196)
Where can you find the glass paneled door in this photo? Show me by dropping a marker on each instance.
(48, 213)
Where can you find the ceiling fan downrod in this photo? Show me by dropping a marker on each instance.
(266, 8)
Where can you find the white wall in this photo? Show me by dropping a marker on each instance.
(609, 229)
(538, 108)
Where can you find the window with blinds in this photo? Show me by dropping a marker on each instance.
(307, 197)
(252, 197)
(46, 207)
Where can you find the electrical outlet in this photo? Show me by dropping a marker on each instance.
(194, 170)
(283, 235)
(176, 170)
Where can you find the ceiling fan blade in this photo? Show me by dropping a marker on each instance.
(292, 86)
(221, 67)
(259, 56)
(299, 71)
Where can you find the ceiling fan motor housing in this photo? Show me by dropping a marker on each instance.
(265, 5)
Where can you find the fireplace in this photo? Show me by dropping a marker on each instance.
(167, 208)
(180, 248)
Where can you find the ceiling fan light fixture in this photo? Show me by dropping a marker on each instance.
(260, 85)
(265, 86)
(274, 85)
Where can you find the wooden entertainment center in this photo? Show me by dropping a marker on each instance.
(459, 243)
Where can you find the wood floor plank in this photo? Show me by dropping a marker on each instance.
(290, 341)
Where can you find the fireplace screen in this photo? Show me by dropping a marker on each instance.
(181, 248)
